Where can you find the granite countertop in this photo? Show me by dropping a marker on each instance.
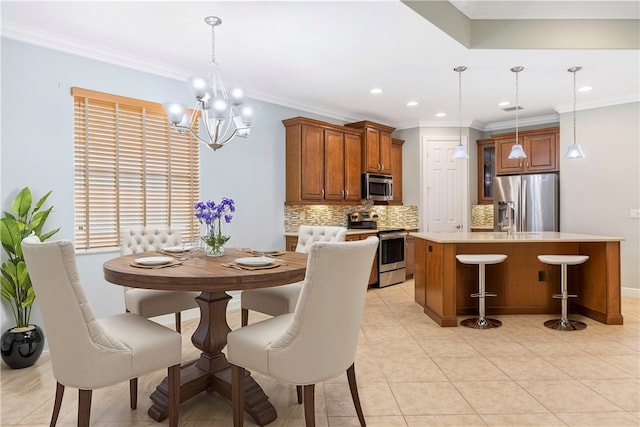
(495, 237)
(350, 231)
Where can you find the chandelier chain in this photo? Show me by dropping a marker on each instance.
(213, 44)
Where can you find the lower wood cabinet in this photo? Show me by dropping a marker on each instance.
(373, 277)
(409, 255)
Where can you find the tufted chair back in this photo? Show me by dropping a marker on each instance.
(309, 234)
(147, 239)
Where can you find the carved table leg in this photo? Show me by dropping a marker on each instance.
(211, 372)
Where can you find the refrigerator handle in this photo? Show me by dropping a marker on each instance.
(523, 209)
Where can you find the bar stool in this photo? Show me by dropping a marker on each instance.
(564, 324)
(481, 322)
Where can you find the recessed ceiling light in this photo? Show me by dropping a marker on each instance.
(375, 90)
(585, 89)
(412, 104)
(441, 114)
(504, 104)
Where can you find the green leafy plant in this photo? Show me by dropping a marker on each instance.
(16, 226)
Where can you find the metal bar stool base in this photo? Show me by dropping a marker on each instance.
(481, 323)
(565, 325)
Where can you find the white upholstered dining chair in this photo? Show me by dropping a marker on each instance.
(318, 340)
(89, 353)
(152, 302)
(282, 299)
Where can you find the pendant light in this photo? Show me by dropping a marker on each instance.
(574, 151)
(516, 151)
(460, 152)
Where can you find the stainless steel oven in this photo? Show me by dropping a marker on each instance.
(392, 267)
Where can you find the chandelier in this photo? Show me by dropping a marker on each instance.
(219, 114)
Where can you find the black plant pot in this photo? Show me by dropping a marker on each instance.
(21, 349)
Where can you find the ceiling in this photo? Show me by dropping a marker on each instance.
(324, 57)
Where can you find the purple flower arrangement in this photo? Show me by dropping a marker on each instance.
(211, 215)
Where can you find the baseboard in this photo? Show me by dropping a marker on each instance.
(630, 292)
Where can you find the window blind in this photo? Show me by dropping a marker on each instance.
(132, 169)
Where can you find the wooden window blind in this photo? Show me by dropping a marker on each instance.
(132, 169)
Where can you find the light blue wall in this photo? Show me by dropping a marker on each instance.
(37, 151)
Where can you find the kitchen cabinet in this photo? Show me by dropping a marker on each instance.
(292, 241)
(486, 170)
(376, 146)
(396, 170)
(541, 147)
(322, 162)
(409, 254)
(373, 276)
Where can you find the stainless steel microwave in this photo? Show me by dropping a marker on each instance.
(377, 187)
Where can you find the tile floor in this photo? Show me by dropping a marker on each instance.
(410, 373)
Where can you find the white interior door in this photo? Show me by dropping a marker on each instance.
(444, 186)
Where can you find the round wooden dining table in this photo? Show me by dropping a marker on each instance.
(212, 277)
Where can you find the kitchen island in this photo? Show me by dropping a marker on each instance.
(523, 284)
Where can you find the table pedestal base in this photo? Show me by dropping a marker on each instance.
(212, 371)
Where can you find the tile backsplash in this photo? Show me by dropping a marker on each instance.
(388, 216)
(482, 216)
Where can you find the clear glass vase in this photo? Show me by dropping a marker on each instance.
(215, 249)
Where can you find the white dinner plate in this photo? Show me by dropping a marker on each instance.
(177, 249)
(255, 261)
(154, 260)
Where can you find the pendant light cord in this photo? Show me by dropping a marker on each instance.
(460, 104)
(574, 106)
(517, 107)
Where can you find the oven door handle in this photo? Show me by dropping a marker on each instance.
(394, 235)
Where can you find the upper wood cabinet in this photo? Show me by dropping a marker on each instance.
(322, 162)
(541, 147)
(486, 170)
(376, 146)
(396, 170)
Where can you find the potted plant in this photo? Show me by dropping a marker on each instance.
(21, 345)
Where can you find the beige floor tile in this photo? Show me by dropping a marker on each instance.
(580, 367)
(521, 420)
(444, 420)
(389, 349)
(523, 367)
(430, 398)
(372, 421)
(469, 369)
(500, 347)
(567, 396)
(608, 419)
(629, 364)
(499, 397)
(448, 347)
(404, 370)
(527, 368)
(375, 399)
(624, 392)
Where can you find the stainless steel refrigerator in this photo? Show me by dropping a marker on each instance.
(532, 202)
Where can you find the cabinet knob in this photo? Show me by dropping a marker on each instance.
(343, 194)
(322, 193)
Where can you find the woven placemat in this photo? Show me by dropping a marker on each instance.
(247, 267)
(172, 263)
